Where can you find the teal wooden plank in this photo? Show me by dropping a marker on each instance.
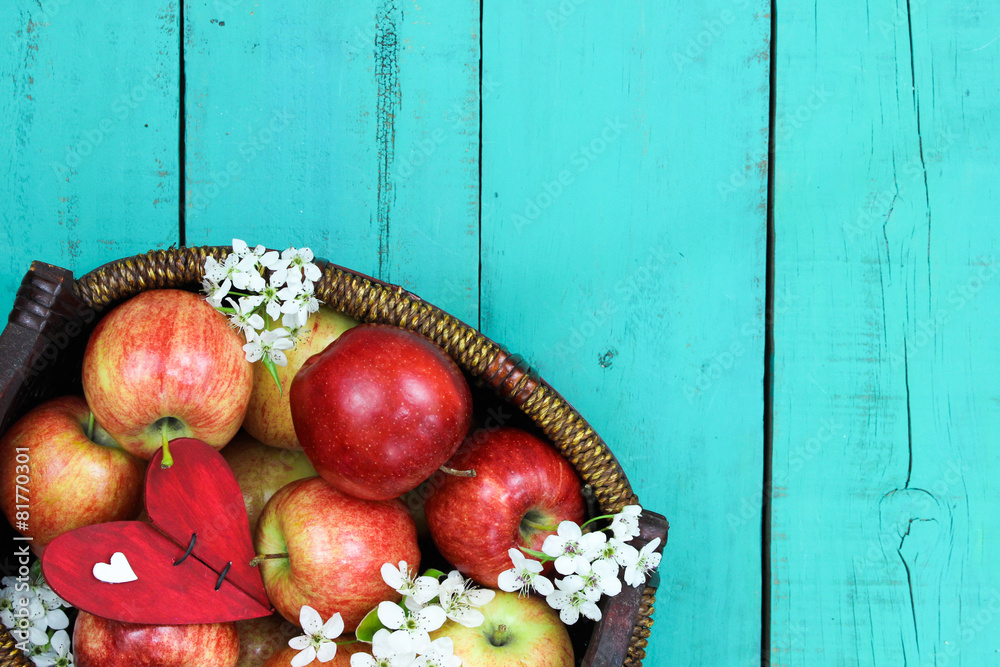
(90, 154)
(624, 201)
(354, 131)
(885, 418)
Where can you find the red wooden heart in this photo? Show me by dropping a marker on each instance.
(197, 495)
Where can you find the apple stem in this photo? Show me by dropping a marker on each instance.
(459, 473)
(168, 460)
(90, 426)
(260, 557)
(597, 518)
(538, 526)
(544, 557)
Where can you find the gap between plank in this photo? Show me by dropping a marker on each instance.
(479, 185)
(765, 529)
(181, 157)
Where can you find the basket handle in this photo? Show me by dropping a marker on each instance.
(45, 329)
(617, 636)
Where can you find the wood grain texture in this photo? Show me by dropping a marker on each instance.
(352, 129)
(885, 390)
(90, 153)
(624, 195)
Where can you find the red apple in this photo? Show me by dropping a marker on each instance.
(261, 638)
(261, 470)
(522, 489)
(380, 410)
(54, 478)
(336, 545)
(166, 364)
(98, 642)
(517, 632)
(269, 417)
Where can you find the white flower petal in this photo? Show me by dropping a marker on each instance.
(326, 652)
(431, 618)
(304, 657)
(391, 615)
(333, 627)
(542, 585)
(569, 615)
(509, 581)
(60, 642)
(363, 660)
(300, 642)
(470, 618)
(480, 596)
(310, 620)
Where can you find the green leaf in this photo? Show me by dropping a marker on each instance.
(369, 625)
(273, 370)
(431, 572)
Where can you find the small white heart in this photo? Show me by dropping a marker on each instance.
(118, 571)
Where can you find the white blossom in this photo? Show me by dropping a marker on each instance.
(270, 343)
(602, 579)
(625, 524)
(418, 624)
(317, 642)
(525, 574)
(58, 654)
(440, 653)
(647, 561)
(245, 316)
(571, 601)
(572, 549)
(417, 591)
(459, 599)
(617, 552)
(389, 649)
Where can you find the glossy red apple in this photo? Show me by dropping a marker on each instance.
(165, 363)
(380, 410)
(99, 642)
(269, 417)
(333, 547)
(518, 631)
(261, 470)
(53, 478)
(522, 489)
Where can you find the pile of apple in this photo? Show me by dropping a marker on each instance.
(365, 415)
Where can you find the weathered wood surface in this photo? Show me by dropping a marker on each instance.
(88, 98)
(624, 198)
(885, 390)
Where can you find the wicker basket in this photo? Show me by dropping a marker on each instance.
(43, 342)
